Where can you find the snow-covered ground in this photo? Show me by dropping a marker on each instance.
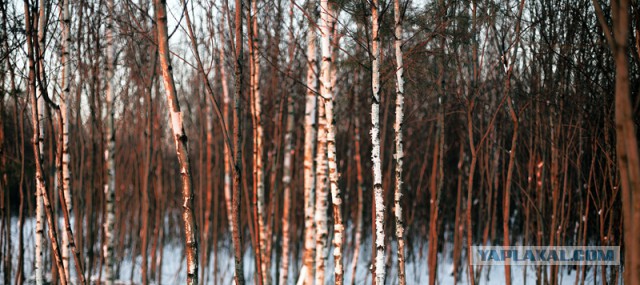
(174, 272)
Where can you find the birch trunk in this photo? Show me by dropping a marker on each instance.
(37, 109)
(67, 232)
(68, 242)
(288, 157)
(181, 142)
(307, 273)
(375, 153)
(399, 151)
(237, 128)
(322, 200)
(286, 183)
(38, 145)
(258, 177)
(328, 17)
(64, 111)
(109, 155)
(39, 239)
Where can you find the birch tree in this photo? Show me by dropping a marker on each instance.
(35, 54)
(375, 142)
(307, 272)
(237, 132)
(64, 108)
(181, 143)
(327, 18)
(288, 158)
(256, 110)
(109, 155)
(322, 199)
(64, 159)
(37, 103)
(397, 13)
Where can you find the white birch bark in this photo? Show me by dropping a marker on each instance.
(309, 148)
(64, 111)
(326, 92)
(109, 155)
(39, 238)
(375, 153)
(40, 186)
(322, 199)
(37, 101)
(398, 140)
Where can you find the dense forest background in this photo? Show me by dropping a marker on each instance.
(518, 123)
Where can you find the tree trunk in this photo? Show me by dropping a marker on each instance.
(64, 108)
(506, 214)
(237, 129)
(399, 151)
(37, 109)
(182, 150)
(286, 183)
(328, 16)
(109, 155)
(307, 273)
(225, 114)
(626, 140)
(38, 144)
(375, 153)
(67, 220)
(322, 200)
(256, 110)
(359, 180)
(147, 173)
(288, 160)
